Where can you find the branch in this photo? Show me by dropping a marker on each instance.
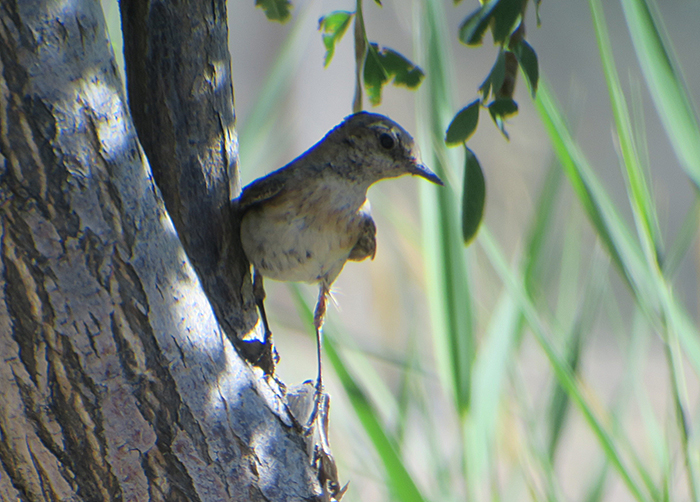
(181, 100)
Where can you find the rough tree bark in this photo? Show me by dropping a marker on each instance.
(181, 101)
(116, 380)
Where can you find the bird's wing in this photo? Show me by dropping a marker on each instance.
(366, 245)
(259, 191)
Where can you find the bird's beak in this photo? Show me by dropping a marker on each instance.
(418, 169)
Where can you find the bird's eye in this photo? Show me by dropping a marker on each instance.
(386, 141)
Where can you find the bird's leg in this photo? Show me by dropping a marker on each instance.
(267, 358)
(259, 294)
(319, 316)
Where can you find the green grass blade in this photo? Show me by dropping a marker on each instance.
(665, 83)
(570, 270)
(537, 256)
(655, 432)
(488, 382)
(601, 210)
(398, 478)
(638, 190)
(581, 326)
(685, 237)
(596, 490)
(561, 370)
(652, 293)
(645, 216)
(633, 366)
(446, 273)
(682, 404)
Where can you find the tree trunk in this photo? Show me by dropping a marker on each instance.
(117, 380)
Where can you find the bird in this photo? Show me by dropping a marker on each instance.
(303, 222)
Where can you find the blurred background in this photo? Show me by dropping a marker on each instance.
(517, 431)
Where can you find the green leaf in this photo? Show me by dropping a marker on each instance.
(463, 124)
(275, 10)
(404, 71)
(501, 109)
(472, 29)
(333, 27)
(473, 196)
(505, 16)
(383, 64)
(527, 59)
(495, 77)
(374, 75)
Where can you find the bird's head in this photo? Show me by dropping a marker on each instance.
(374, 147)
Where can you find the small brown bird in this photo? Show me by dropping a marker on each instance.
(304, 221)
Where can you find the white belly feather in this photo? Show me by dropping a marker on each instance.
(293, 241)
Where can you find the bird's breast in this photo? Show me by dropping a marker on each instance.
(302, 237)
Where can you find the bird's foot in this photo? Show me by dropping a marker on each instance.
(317, 411)
(323, 458)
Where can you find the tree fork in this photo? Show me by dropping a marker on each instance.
(117, 383)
